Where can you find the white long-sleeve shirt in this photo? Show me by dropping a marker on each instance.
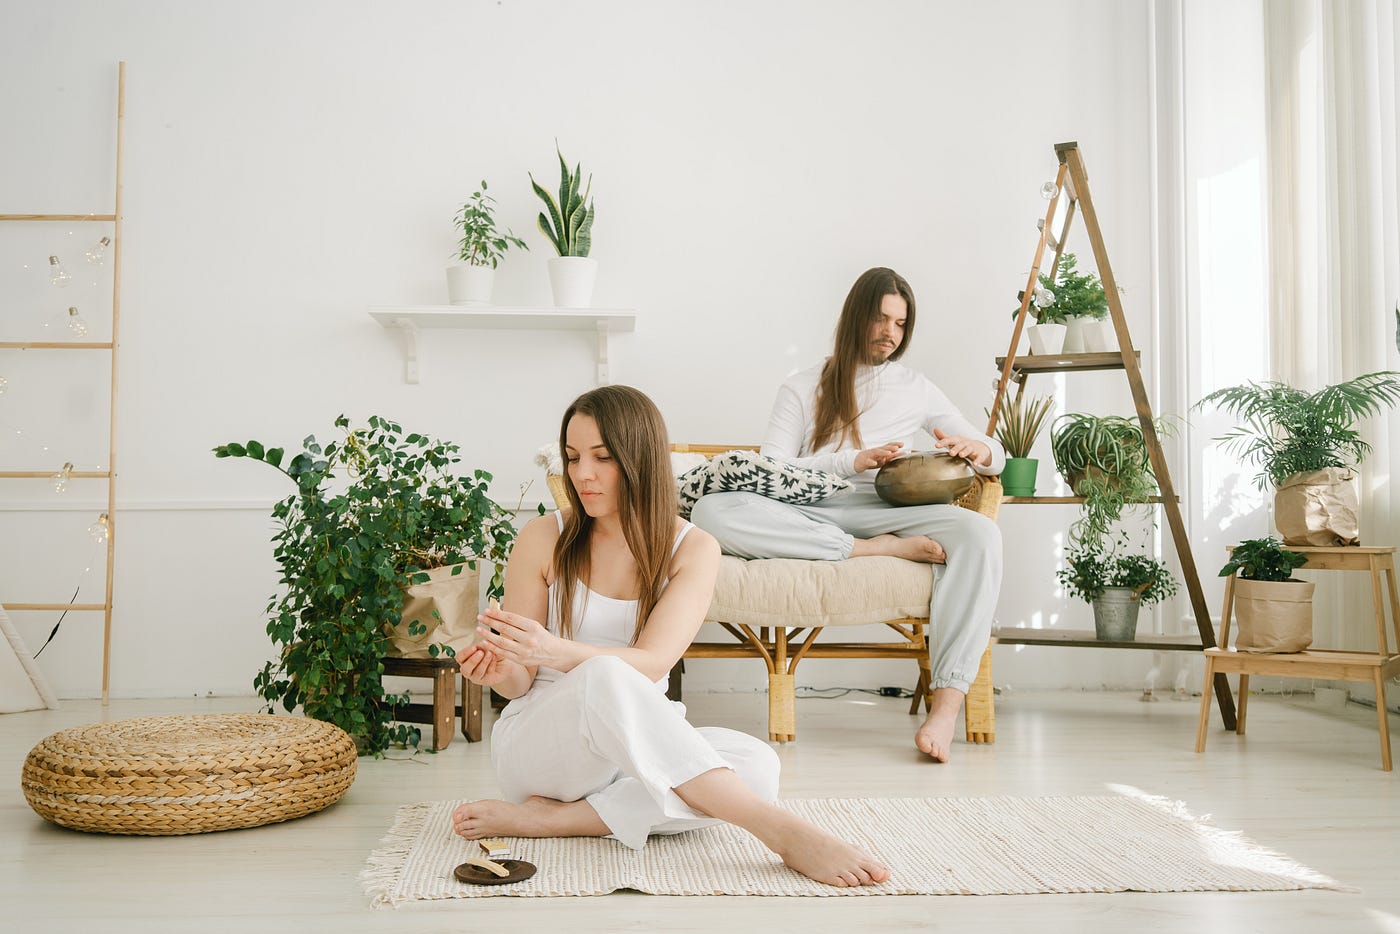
(894, 402)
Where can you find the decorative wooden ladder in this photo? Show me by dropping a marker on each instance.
(1071, 182)
(110, 474)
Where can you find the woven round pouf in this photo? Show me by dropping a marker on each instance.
(188, 774)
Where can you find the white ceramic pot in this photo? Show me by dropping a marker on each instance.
(1075, 331)
(571, 279)
(1046, 339)
(470, 285)
(1099, 337)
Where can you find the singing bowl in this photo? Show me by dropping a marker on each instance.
(924, 478)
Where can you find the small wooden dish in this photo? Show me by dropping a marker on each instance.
(517, 871)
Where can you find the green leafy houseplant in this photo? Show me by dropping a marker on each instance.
(567, 222)
(1287, 431)
(1104, 459)
(1075, 294)
(345, 551)
(1090, 570)
(1263, 559)
(482, 244)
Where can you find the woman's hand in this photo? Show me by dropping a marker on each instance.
(519, 639)
(877, 456)
(969, 449)
(484, 666)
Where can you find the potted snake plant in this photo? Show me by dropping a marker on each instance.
(568, 224)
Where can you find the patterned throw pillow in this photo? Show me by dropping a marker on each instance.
(751, 472)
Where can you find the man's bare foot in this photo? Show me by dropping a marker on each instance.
(935, 736)
(820, 856)
(919, 548)
(537, 817)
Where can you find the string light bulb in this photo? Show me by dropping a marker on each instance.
(97, 253)
(57, 274)
(1043, 298)
(60, 479)
(1049, 190)
(76, 324)
(101, 529)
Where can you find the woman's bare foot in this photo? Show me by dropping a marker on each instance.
(935, 736)
(537, 817)
(818, 855)
(919, 548)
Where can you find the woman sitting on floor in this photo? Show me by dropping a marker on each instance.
(589, 745)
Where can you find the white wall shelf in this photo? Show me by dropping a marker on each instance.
(408, 320)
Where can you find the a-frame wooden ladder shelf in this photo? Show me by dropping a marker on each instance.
(111, 347)
(1071, 183)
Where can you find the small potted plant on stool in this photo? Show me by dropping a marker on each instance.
(1273, 610)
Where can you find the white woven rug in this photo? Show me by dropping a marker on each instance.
(933, 846)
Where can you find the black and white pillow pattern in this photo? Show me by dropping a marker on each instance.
(751, 472)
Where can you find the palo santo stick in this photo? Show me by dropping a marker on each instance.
(494, 868)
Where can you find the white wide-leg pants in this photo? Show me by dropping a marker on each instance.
(604, 733)
(965, 589)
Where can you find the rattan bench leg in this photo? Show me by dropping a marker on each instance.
(979, 712)
(782, 714)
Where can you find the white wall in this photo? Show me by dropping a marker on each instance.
(290, 164)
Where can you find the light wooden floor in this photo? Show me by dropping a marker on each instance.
(1307, 782)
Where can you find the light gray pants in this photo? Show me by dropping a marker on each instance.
(965, 589)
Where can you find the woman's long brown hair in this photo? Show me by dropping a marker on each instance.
(635, 436)
(836, 414)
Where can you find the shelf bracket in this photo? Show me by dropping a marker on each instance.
(408, 331)
(602, 353)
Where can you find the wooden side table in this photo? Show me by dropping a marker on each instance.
(1330, 664)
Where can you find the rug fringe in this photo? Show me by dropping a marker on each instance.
(385, 865)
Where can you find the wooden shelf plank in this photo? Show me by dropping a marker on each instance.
(1085, 638)
(45, 474)
(58, 217)
(1052, 500)
(55, 345)
(1066, 362)
(15, 607)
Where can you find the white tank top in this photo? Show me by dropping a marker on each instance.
(599, 620)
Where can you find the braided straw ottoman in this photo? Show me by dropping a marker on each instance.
(188, 774)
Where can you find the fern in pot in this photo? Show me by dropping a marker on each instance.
(1307, 446)
(374, 517)
(480, 250)
(1116, 585)
(1272, 608)
(568, 224)
(1077, 299)
(1019, 422)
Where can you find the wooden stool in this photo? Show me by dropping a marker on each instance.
(444, 708)
(1330, 664)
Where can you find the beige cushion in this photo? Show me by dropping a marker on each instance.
(798, 593)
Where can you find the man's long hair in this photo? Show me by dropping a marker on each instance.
(837, 417)
(635, 435)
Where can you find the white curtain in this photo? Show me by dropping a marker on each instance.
(1334, 239)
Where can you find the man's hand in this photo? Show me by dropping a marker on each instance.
(967, 448)
(877, 457)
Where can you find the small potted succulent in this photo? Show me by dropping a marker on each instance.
(1272, 608)
(568, 223)
(480, 250)
(1019, 422)
(1116, 585)
(1306, 446)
